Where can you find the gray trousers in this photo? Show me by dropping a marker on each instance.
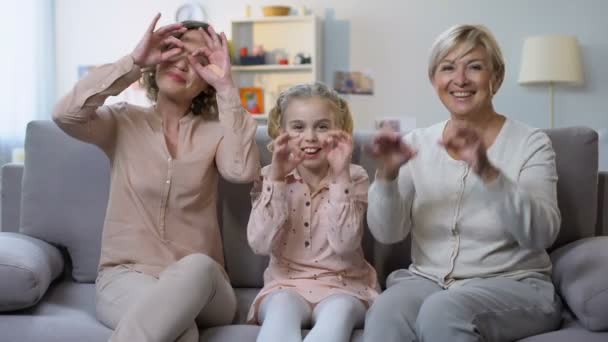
(414, 308)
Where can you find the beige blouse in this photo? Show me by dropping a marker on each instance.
(160, 209)
(314, 239)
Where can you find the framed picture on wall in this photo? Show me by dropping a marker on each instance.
(252, 99)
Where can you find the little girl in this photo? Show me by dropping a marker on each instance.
(307, 215)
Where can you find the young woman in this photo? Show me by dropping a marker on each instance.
(161, 269)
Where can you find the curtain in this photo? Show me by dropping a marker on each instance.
(27, 89)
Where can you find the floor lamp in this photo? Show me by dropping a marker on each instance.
(549, 60)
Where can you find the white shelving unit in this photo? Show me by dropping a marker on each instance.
(285, 35)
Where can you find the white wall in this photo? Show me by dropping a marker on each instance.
(389, 38)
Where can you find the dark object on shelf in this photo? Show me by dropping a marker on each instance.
(253, 60)
(302, 58)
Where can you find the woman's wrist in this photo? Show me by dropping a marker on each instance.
(387, 174)
(224, 90)
(275, 176)
(342, 177)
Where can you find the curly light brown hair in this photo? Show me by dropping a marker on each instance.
(205, 103)
(341, 111)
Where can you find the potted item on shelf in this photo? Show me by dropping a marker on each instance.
(275, 11)
(252, 99)
(281, 57)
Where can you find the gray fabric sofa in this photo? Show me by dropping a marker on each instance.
(53, 208)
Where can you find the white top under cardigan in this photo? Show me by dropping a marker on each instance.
(462, 228)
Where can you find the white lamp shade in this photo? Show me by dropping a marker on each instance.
(552, 58)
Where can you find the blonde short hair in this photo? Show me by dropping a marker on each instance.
(342, 115)
(468, 37)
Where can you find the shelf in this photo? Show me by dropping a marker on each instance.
(272, 67)
(277, 19)
(260, 117)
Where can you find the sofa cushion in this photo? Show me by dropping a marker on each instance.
(27, 267)
(576, 162)
(66, 313)
(570, 331)
(65, 194)
(580, 274)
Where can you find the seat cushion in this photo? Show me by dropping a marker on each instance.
(249, 333)
(571, 331)
(65, 313)
(244, 298)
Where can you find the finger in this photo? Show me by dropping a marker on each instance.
(224, 41)
(170, 54)
(407, 151)
(198, 68)
(331, 142)
(208, 40)
(294, 143)
(296, 157)
(153, 23)
(380, 138)
(173, 40)
(226, 50)
(387, 136)
(335, 133)
(454, 144)
(205, 51)
(282, 139)
(325, 143)
(343, 137)
(374, 150)
(170, 29)
(281, 151)
(214, 36)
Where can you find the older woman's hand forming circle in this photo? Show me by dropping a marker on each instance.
(389, 150)
(465, 143)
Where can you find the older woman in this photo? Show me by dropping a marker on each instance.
(161, 270)
(477, 193)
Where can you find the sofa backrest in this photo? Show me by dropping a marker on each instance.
(65, 194)
(66, 183)
(576, 157)
(577, 167)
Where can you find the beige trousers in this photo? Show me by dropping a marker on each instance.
(190, 293)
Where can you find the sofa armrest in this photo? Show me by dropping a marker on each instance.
(27, 268)
(580, 275)
(601, 227)
(10, 197)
